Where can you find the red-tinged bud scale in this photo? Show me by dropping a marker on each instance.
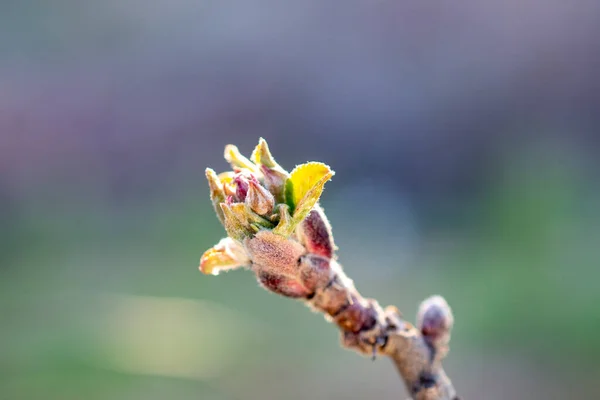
(241, 187)
(283, 285)
(315, 271)
(315, 233)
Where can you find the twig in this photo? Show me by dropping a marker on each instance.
(276, 228)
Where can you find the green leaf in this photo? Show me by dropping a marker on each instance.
(304, 187)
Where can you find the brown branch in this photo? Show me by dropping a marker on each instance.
(275, 227)
(370, 330)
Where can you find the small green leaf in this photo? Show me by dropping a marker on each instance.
(304, 187)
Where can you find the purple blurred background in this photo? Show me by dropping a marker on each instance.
(465, 142)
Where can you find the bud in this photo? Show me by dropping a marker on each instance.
(274, 254)
(275, 179)
(315, 272)
(435, 320)
(241, 187)
(282, 285)
(259, 199)
(315, 233)
(226, 255)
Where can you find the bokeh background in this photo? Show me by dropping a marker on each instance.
(465, 140)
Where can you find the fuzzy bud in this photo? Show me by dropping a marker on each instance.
(241, 187)
(435, 320)
(274, 253)
(315, 233)
(315, 271)
(283, 285)
(259, 199)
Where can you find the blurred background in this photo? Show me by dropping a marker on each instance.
(465, 140)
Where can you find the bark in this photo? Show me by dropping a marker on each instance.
(369, 329)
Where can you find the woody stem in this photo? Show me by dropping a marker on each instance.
(369, 329)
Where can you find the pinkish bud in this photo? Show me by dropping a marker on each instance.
(315, 271)
(315, 233)
(283, 285)
(435, 319)
(241, 187)
(274, 253)
(259, 199)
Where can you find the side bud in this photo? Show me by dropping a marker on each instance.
(274, 254)
(315, 271)
(435, 321)
(315, 233)
(283, 285)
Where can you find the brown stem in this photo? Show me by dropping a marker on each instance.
(371, 330)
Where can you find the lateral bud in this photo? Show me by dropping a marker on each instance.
(315, 271)
(435, 321)
(315, 233)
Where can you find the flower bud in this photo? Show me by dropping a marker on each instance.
(274, 253)
(435, 319)
(259, 199)
(315, 233)
(314, 271)
(241, 187)
(285, 286)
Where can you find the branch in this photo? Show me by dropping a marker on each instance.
(276, 228)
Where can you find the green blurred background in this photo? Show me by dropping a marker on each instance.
(465, 142)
